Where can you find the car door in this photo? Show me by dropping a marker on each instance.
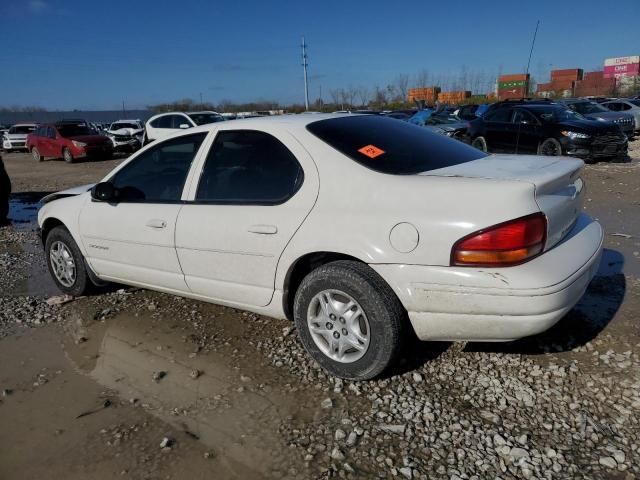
(498, 130)
(528, 131)
(48, 144)
(255, 189)
(133, 240)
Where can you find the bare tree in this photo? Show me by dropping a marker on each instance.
(402, 85)
(335, 96)
(363, 95)
(351, 92)
(344, 98)
(422, 79)
(379, 96)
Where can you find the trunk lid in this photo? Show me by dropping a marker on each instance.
(558, 187)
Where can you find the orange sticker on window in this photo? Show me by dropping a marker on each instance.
(371, 151)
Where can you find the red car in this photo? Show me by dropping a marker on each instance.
(68, 139)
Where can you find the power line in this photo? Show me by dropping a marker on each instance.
(305, 64)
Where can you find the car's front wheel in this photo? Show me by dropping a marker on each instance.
(349, 320)
(550, 147)
(481, 144)
(66, 263)
(36, 154)
(67, 155)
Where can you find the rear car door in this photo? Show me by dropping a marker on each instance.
(49, 144)
(255, 189)
(499, 130)
(528, 131)
(134, 240)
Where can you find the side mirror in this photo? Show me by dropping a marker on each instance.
(184, 125)
(104, 192)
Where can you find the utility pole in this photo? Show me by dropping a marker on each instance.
(305, 64)
(533, 43)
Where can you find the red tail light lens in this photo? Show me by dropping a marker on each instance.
(502, 245)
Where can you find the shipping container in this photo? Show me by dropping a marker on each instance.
(593, 75)
(515, 77)
(514, 83)
(621, 60)
(626, 69)
(567, 73)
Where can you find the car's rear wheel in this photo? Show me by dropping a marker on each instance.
(66, 263)
(349, 320)
(36, 154)
(481, 144)
(67, 155)
(550, 147)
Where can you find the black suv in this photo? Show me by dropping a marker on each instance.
(545, 128)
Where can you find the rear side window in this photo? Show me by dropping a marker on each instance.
(249, 167)
(499, 115)
(388, 146)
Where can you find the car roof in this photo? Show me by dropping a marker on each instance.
(201, 111)
(23, 125)
(287, 120)
(128, 120)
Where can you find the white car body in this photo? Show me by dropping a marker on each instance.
(402, 226)
(126, 137)
(165, 124)
(16, 137)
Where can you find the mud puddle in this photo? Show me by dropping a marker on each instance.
(23, 209)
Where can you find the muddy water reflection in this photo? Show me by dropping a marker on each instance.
(225, 409)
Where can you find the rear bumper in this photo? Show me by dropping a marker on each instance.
(499, 304)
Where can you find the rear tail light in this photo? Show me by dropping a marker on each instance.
(509, 243)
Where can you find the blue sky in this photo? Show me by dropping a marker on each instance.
(63, 54)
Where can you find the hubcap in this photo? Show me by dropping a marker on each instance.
(35, 153)
(550, 148)
(338, 326)
(63, 264)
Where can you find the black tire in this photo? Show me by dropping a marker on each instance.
(35, 153)
(67, 155)
(386, 316)
(82, 283)
(550, 147)
(481, 144)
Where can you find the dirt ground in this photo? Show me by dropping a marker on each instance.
(135, 384)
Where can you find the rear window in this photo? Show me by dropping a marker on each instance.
(388, 146)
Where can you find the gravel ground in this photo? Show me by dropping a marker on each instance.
(564, 404)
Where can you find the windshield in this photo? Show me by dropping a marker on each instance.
(118, 126)
(635, 102)
(71, 130)
(586, 108)
(556, 114)
(388, 146)
(204, 118)
(22, 129)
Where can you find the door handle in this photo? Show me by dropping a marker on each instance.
(263, 229)
(156, 223)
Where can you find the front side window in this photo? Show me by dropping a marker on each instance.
(158, 175)
(51, 132)
(522, 116)
(178, 120)
(249, 167)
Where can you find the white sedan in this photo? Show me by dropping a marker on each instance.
(358, 227)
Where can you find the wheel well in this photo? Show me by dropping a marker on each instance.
(48, 225)
(300, 269)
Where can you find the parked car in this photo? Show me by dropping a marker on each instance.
(165, 124)
(471, 112)
(69, 140)
(16, 137)
(126, 135)
(448, 124)
(5, 193)
(631, 107)
(595, 111)
(398, 116)
(357, 227)
(546, 129)
(421, 116)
